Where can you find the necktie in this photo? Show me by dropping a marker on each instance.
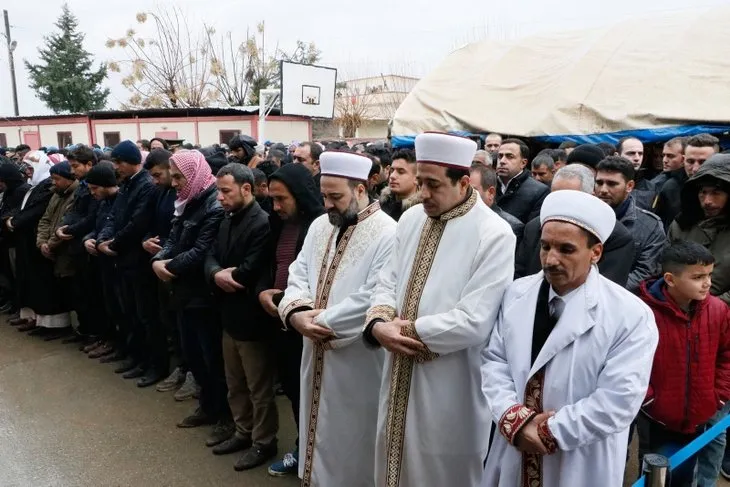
(557, 306)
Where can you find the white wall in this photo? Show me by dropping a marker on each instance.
(286, 132)
(209, 132)
(373, 129)
(49, 133)
(12, 134)
(126, 131)
(185, 130)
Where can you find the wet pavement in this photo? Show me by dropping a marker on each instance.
(69, 421)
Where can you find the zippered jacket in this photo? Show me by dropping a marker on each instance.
(690, 378)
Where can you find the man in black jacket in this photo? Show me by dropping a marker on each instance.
(127, 224)
(484, 180)
(518, 194)
(234, 266)
(13, 186)
(77, 223)
(297, 203)
(618, 251)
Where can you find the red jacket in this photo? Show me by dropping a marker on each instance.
(690, 379)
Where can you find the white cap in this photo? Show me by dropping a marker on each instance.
(581, 209)
(345, 165)
(445, 150)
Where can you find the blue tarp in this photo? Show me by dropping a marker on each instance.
(660, 134)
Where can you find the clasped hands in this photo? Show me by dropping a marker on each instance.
(304, 323)
(528, 440)
(389, 335)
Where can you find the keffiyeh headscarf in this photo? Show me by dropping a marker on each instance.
(195, 168)
(41, 165)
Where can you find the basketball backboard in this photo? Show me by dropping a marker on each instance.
(307, 90)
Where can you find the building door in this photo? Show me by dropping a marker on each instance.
(32, 139)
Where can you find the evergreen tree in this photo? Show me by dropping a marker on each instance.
(64, 79)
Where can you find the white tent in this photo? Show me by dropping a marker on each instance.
(644, 74)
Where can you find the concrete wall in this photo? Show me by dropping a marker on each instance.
(286, 131)
(126, 131)
(185, 130)
(12, 134)
(373, 129)
(49, 133)
(209, 132)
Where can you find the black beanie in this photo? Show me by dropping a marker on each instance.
(102, 175)
(587, 154)
(127, 151)
(63, 169)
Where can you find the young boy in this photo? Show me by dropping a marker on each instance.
(690, 378)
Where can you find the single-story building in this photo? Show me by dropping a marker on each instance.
(198, 126)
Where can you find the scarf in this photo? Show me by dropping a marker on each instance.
(41, 166)
(195, 168)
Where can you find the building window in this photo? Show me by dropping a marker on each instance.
(64, 139)
(111, 139)
(225, 136)
(3, 140)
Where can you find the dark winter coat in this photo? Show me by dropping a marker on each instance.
(713, 233)
(242, 243)
(188, 244)
(644, 194)
(163, 208)
(615, 264)
(518, 228)
(690, 378)
(52, 219)
(523, 198)
(300, 183)
(80, 219)
(649, 241)
(15, 189)
(38, 289)
(393, 207)
(101, 213)
(668, 203)
(129, 221)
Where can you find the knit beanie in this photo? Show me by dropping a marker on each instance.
(102, 175)
(127, 151)
(587, 154)
(63, 169)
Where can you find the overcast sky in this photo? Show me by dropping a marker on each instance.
(376, 36)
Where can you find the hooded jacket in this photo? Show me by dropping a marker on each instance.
(713, 233)
(667, 204)
(15, 189)
(300, 183)
(393, 207)
(690, 378)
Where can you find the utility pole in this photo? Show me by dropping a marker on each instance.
(11, 47)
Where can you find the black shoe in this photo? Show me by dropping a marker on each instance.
(198, 418)
(126, 366)
(56, 333)
(151, 378)
(255, 456)
(233, 444)
(38, 331)
(116, 357)
(222, 431)
(135, 373)
(75, 338)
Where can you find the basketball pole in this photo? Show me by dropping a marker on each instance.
(267, 100)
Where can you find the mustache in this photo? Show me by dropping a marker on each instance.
(552, 269)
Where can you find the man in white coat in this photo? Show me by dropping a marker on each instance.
(568, 363)
(433, 310)
(327, 295)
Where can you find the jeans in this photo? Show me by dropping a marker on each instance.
(201, 339)
(658, 439)
(710, 457)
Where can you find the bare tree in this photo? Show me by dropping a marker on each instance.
(171, 69)
(352, 108)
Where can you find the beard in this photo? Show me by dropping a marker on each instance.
(339, 219)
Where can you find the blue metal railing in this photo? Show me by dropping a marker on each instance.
(693, 447)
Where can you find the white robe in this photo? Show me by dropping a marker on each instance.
(440, 438)
(597, 361)
(343, 426)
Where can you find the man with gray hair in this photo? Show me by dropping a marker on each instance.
(618, 251)
(235, 264)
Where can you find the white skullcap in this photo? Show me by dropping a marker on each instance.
(445, 150)
(581, 209)
(345, 165)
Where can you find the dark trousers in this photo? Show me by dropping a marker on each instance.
(88, 298)
(168, 319)
(113, 327)
(288, 350)
(147, 340)
(666, 442)
(200, 336)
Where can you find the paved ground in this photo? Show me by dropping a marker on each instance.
(68, 421)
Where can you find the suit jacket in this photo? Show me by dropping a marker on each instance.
(242, 243)
(523, 198)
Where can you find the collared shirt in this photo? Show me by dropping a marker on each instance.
(558, 306)
(505, 186)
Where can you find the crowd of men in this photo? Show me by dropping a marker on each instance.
(448, 315)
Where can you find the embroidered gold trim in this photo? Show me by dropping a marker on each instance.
(324, 286)
(532, 462)
(381, 312)
(297, 303)
(423, 356)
